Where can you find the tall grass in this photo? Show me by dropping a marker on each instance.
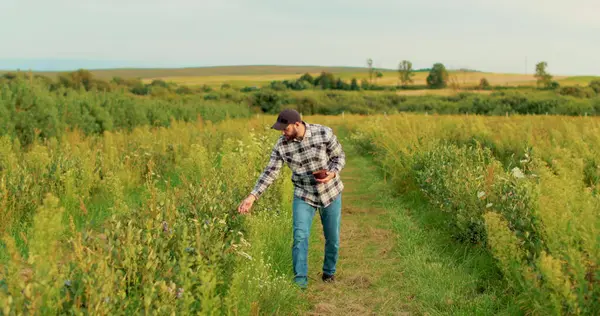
(144, 221)
(525, 188)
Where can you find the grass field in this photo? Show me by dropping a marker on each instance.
(526, 189)
(462, 78)
(389, 78)
(240, 76)
(435, 222)
(112, 203)
(147, 73)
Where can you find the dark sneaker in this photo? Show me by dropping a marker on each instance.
(328, 277)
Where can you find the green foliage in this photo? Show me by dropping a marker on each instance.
(544, 79)
(466, 181)
(180, 247)
(249, 89)
(498, 103)
(308, 78)
(325, 80)
(184, 90)
(118, 80)
(140, 89)
(378, 75)
(269, 101)
(31, 106)
(307, 105)
(364, 84)
(595, 85)
(278, 86)
(31, 111)
(577, 91)
(484, 84)
(9, 76)
(405, 72)
(159, 83)
(523, 188)
(438, 77)
(354, 85)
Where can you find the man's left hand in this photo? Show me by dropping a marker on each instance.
(330, 175)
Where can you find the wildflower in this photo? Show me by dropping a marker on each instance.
(245, 255)
(480, 194)
(517, 173)
(180, 292)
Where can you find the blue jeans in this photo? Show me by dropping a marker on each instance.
(303, 216)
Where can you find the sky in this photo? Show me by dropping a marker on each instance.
(489, 35)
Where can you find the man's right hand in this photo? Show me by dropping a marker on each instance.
(246, 204)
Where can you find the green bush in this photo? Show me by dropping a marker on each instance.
(595, 85)
(27, 111)
(269, 101)
(525, 188)
(468, 181)
(143, 222)
(577, 91)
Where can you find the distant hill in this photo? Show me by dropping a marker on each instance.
(258, 75)
(209, 71)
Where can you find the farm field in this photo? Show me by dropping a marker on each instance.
(241, 76)
(146, 73)
(390, 78)
(460, 215)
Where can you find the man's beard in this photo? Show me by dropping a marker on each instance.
(293, 136)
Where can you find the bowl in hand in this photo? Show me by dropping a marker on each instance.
(321, 174)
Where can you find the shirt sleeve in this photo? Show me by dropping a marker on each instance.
(337, 157)
(269, 174)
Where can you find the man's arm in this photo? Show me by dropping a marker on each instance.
(337, 157)
(269, 174)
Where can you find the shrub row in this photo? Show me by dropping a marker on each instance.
(525, 188)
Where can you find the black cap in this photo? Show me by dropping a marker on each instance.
(286, 117)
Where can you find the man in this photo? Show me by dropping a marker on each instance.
(316, 159)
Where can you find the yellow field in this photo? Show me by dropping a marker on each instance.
(242, 76)
(389, 78)
(462, 79)
(258, 70)
(442, 92)
(217, 81)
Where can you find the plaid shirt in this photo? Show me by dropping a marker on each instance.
(319, 149)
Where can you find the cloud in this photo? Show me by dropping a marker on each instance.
(490, 35)
(560, 12)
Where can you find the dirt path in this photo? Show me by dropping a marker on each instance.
(396, 258)
(367, 268)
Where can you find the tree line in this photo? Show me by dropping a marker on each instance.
(83, 79)
(30, 108)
